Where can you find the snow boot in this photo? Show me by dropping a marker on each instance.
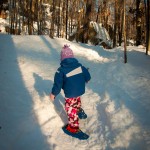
(82, 114)
(78, 134)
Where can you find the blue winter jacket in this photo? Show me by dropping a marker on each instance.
(71, 76)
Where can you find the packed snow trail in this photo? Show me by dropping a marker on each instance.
(116, 99)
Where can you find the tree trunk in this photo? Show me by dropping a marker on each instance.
(13, 18)
(124, 31)
(87, 20)
(98, 14)
(147, 26)
(105, 15)
(30, 21)
(52, 21)
(63, 20)
(37, 10)
(58, 18)
(10, 16)
(115, 25)
(120, 25)
(138, 23)
(66, 17)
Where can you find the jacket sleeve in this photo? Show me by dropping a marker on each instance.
(58, 82)
(86, 73)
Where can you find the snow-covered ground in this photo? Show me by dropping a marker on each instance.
(117, 99)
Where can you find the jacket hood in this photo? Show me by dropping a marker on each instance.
(69, 62)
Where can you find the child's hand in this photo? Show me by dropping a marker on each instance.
(52, 97)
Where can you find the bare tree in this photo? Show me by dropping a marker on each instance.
(66, 17)
(30, 20)
(52, 30)
(147, 4)
(124, 31)
(115, 23)
(121, 19)
(138, 23)
(59, 19)
(87, 20)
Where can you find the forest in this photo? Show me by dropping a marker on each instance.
(125, 20)
(111, 38)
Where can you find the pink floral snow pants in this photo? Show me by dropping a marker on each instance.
(72, 106)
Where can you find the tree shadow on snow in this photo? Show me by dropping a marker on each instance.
(43, 87)
(19, 125)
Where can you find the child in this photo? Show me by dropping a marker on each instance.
(71, 76)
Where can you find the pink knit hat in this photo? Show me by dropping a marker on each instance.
(66, 52)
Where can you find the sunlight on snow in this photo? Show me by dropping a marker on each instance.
(89, 54)
(122, 123)
(34, 77)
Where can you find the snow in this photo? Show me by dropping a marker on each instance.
(3, 23)
(102, 33)
(116, 99)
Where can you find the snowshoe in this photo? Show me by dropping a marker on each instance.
(78, 134)
(82, 114)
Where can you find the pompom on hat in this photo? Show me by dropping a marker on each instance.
(66, 52)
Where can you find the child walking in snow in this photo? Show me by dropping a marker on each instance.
(71, 76)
